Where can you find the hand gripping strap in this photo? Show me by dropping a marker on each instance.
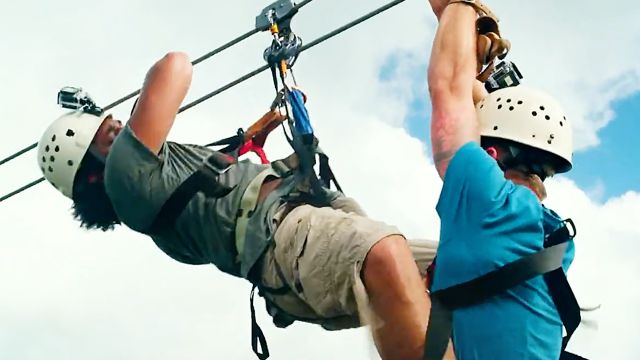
(490, 45)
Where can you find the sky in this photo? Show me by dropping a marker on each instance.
(73, 294)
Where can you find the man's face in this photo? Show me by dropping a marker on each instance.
(109, 129)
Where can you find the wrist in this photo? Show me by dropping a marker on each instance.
(457, 6)
(477, 5)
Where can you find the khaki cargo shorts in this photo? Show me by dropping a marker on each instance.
(319, 253)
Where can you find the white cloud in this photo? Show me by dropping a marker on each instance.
(605, 267)
(69, 294)
(597, 190)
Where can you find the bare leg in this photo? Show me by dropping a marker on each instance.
(398, 298)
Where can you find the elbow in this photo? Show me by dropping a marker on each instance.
(438, 79)
(449, 88)
(178, 65)
(448, 82)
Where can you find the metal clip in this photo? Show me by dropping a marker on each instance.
(278, 100)
(277, 13)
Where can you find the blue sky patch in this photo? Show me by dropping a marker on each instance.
(612, 168)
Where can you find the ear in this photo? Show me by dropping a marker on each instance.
(492, 152)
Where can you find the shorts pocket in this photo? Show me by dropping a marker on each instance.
(301, 239)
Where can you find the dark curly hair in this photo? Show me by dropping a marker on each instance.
(91, 204)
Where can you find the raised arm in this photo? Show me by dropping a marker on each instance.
(451, 77)
(164, 89)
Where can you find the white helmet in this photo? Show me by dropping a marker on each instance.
(63, 146)
(529, 117)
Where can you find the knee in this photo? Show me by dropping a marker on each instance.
(388, 257)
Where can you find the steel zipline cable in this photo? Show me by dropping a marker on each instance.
(227, 86)
(202, 58)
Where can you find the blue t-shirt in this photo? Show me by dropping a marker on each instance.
(486, 222)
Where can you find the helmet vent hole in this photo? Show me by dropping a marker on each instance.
(50, 169)
(57, 148)
(508, 100)
(549, 141)
(499, 99)
(519, 102)
(46, 148)
(495, 128)
(542, 108)
(561, 123)
(70, 133)
(44, 159)
(511, 108)
(53, 138)
(52, 158)
(481, 106)
(547, 117)
(42, 168)
(534, 135)
(565, 118)
(499, 106)
(70, 162)
(534, 113)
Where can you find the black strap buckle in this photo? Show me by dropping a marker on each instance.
(573, 227)
(563, 234)
(218, 163)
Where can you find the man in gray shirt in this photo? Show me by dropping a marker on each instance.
(328, 265)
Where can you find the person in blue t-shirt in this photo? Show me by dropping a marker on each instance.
(493, 152)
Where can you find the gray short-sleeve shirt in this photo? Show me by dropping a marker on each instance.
(138, 183)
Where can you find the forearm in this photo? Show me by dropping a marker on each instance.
(164, 89)
(453, 54)
(452, 72)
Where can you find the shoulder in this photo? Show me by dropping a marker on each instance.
(129, 158)
(131, 178)
(127, 150)
(476, 191)
(473, 182)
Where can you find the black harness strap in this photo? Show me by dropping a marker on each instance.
(256, 332)
(204, 179)
(567, 306)
(326, 173)
(547, 262)
(479, 289)
(563, 297)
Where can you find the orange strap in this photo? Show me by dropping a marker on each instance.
(266, 124)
